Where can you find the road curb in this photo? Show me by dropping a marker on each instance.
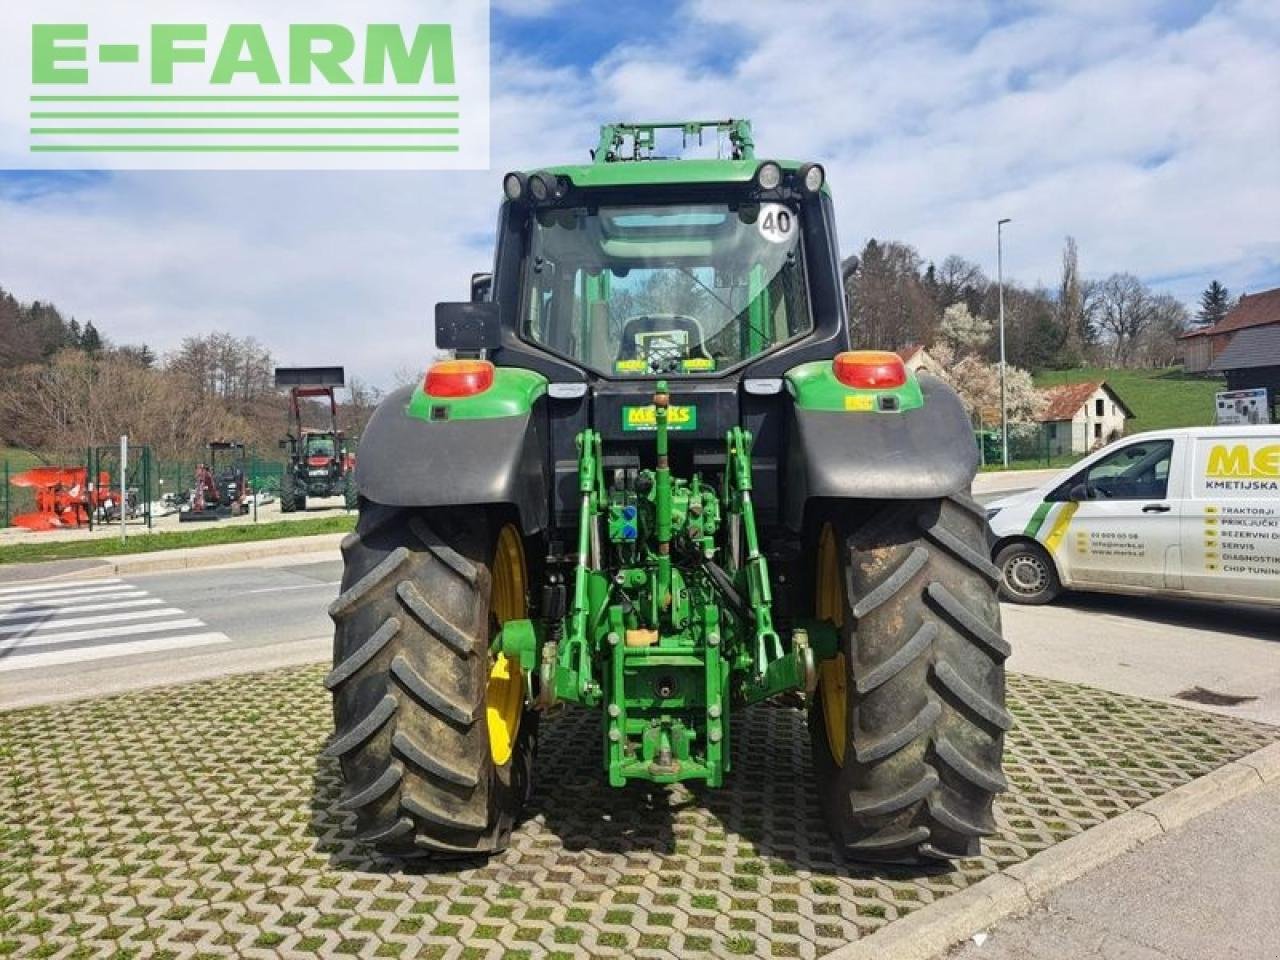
(932, 930)
(188, 558)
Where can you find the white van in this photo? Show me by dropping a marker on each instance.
(1192, 512)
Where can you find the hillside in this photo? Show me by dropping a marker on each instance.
(1159, 398)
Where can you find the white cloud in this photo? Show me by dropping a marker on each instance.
(1155, 146)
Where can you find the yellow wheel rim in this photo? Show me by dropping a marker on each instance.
(829, 603)
(504, 695)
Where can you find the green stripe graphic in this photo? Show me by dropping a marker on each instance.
(237, 115)
(263, 98)
(1037, 519)
(206, 131)
(243, 148)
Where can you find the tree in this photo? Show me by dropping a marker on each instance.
(965, 333)
(1169, 318)
(1215, 304)
(889, 305)
(1071, 313)
(977, 381)
(362, 399)
(90, 340)
(237, 370)
(1124, 310)
(141, 355)
(960, 280)
(18, 342)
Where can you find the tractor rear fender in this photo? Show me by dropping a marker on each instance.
(488, 449)
(921, 450)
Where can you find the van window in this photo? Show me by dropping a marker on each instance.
(1137, 471)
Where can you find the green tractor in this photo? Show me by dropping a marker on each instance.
(656, 483)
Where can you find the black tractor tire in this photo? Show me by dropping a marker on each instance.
(350, 495)
(288, 495)
(1028, 573)
(411, 669)
(924, 685)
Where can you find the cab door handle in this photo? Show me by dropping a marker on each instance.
(1156, 508)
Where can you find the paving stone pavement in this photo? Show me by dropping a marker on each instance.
(199, 821)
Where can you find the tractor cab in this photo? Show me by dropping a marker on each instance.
(320, 450)
(717, 275)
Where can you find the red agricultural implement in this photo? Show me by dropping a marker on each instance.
(63, 497)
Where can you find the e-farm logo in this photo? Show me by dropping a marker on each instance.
(316, 84)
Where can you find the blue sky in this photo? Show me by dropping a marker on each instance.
(1149, 131)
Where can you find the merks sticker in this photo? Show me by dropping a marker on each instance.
(646, 418)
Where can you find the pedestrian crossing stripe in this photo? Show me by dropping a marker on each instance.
(47, 602)
(53, 585)
(55, 623)
(56, 658)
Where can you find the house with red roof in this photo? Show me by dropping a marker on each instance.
(1202, 348)
(1079, 417)
(918, 360)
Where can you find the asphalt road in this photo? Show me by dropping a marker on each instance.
(1183, 650)
(76, 638)
(69, 639)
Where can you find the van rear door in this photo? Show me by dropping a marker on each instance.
(1231, 517)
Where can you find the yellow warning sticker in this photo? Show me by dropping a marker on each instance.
(861, 402)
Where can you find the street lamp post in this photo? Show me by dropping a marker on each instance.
(1004, 405)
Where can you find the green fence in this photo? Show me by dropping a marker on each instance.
(163, 478)
(176, 476)
(1030, 445)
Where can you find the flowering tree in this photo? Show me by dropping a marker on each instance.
(978, 384)
(962, 331)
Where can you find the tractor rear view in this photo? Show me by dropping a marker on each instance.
(656, 483)
(320, 464)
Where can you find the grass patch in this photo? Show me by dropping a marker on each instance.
(18, 460)
(1160, 399)
(152, 542)
(1041, 463)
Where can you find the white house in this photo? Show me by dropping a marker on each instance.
(1080, 417)
(918, 360)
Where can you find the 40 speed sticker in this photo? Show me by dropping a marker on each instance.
(776, 223)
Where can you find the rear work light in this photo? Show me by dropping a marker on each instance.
(459, 378)
(869, 369)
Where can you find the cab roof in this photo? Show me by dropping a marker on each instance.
(636, 173)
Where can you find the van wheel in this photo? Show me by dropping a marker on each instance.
(1027, 573)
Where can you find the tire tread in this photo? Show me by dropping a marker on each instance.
(926, 716)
